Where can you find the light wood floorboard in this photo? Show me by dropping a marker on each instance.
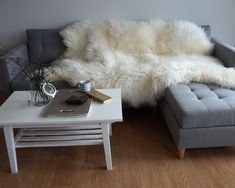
(143, 154)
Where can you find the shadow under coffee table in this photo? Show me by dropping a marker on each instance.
(38, 131)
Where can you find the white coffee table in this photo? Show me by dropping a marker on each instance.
(38, 131)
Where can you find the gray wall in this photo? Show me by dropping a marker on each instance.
(18, 15)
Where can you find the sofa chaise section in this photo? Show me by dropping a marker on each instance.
(200, 115)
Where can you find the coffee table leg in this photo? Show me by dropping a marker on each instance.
(10, 142)
(110, 129)
(107, 149)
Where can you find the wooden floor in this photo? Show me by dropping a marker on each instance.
(143, 153)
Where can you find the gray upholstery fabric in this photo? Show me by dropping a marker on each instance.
(19, 83)
(207, 29)
(4, 77)
(19, 52)
(11, 77)
(197, 137)
(45, 45)
(199, 105)
(224, 53)
(9, 70)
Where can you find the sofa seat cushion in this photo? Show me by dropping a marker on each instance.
(197, 105)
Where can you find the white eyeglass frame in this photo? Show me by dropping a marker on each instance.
(46, 91)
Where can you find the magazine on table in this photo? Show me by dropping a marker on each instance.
(59, 106)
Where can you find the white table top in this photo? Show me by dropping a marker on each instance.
(16, 111)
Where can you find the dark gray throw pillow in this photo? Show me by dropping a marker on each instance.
(44, 45)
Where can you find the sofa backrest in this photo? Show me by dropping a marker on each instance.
(207, 29)
(46, 45)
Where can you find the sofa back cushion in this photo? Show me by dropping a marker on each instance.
(207, 29)
(44, 45)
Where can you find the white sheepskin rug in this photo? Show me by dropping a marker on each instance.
(141, 58)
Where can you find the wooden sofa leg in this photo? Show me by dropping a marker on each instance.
(181, 153)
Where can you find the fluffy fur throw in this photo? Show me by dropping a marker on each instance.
(141, 58)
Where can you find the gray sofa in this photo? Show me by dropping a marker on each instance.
(42, 46)
(197, 115)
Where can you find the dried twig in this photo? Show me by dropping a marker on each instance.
(35, 72)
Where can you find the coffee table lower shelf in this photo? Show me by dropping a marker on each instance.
(53, 137)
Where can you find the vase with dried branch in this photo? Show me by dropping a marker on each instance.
(36, 73)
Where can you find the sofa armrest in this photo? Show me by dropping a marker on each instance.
(9, 68)
(224, 53)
